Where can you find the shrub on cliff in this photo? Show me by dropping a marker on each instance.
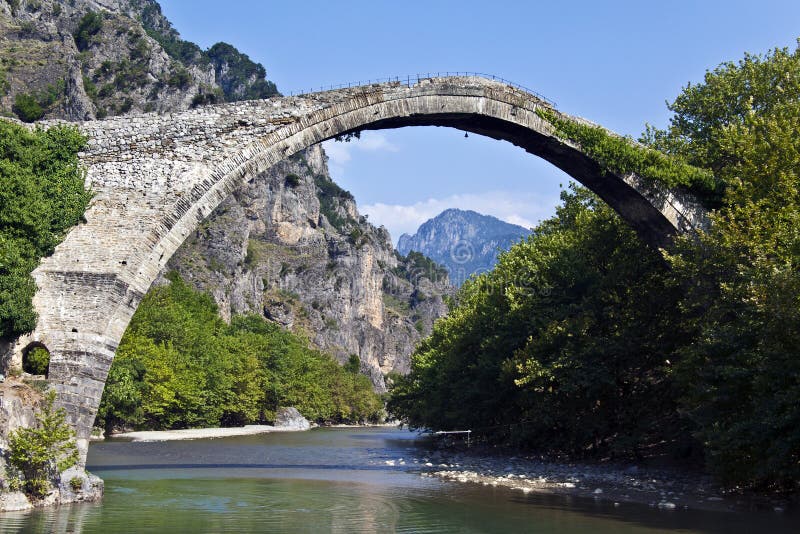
(88, 27)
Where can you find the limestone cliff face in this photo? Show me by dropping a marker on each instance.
(125, 57)
(292, 246)
(117, 68)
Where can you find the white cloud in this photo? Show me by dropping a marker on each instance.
(339, 153)
(524, 209)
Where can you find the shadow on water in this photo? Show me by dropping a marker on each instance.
(649, 517)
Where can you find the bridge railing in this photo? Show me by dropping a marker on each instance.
(411, 79)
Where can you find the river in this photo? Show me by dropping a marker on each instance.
(334, 480)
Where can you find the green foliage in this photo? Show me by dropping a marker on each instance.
(27, 108)
(564, 334)
(36, 361)
(179, 365)
(621, 155)
(42, 196)
(38, 454)
(741, 374)
(353, 364)
(30, 107)
(180, 78)
(130, 75)
(416, 265)
(240, 77)
(90, 88)
(183, 51)
(76, 483)
(207, 96)
(292, 180)
(251, 258)
(396, 305)
(161, 30)
(88, 28)
(4, 85)
(330, 198)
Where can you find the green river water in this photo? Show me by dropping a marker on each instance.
(334, 480)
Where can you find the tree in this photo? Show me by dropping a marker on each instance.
(561, 347)
(180, 366)
(41, 198)
(741, 375)
(41, 452)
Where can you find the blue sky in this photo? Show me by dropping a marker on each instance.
(615, 63)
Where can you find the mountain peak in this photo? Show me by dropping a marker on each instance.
(464, 241)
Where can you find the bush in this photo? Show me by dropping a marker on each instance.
(292, 180)
(27, 108)
(88, 28)
(90, 88)
(38, 454)
(36, 361)
(4, 85)
(180, 78)
(30, 107)
(566, 333)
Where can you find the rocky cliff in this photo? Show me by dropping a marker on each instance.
(85, 59)
(290, 244)
(465, 242)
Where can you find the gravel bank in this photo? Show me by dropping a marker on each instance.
(667, 489)
(200, 433)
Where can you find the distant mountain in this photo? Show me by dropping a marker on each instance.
(465, 242)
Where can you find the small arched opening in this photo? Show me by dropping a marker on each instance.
(36, 359)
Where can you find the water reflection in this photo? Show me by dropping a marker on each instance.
(331, 480)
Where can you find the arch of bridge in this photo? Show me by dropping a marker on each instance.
(156, 177)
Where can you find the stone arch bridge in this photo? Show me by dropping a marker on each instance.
(156, 177)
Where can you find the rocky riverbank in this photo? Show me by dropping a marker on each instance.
(663, 488)
(20, 398)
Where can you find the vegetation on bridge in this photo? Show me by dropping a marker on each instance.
(42, 196)
(622, 155)
(180, 365)
(583, 341)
